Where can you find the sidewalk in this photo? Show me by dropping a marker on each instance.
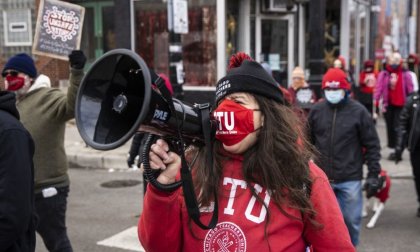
(82, 156)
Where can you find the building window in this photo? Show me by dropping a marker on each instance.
(17, 27)
(198, 45)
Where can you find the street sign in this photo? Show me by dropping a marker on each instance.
(180, 15)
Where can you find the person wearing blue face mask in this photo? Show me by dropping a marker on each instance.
(344, 133)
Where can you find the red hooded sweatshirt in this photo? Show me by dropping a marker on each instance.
(165, 226)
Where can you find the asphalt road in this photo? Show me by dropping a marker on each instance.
(96, 214)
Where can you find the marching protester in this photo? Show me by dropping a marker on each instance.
(44, 112)
(340, 128)
(271, 196)
(303, 97)
(392, 87)
(17, 213)
(340, 63)
(367, 82)
(409, 136)
(412, 66)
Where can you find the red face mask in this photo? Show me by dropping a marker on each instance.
(235, 122)
(15, 82)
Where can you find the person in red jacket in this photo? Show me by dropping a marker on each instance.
(367, 82)
(393, 85)
(270, 195)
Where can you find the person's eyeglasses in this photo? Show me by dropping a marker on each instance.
(12, 73)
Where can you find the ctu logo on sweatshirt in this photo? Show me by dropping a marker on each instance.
(251, 204)
(226, 237)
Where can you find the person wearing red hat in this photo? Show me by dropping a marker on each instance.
(266, 191)
(367, 82)
(341, 128)
(392, 87)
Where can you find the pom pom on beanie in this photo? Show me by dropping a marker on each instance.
(246, 75)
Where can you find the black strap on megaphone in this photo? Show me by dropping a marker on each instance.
(186, 177)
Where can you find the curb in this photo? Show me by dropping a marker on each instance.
(90, 161)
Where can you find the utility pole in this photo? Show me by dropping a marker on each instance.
(317, 43)
(373, 10)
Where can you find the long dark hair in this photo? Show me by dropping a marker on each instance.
(278, 161)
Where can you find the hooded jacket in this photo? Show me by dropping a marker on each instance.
(44, 112)
(341, 132)
(165, 225)
(17, 219)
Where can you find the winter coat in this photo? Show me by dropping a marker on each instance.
(44, 112)
(17, 216)
(382, 87)
(409, 126)
(341, 133)
(165, 225)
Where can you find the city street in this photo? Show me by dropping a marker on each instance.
(96, 213)
(105, 218)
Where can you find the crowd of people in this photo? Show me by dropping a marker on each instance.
(284, 161)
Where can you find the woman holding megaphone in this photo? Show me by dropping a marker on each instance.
(270, 195)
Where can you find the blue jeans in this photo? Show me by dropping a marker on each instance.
(350, 198)
(51, 212)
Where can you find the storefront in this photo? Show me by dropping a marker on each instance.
(355, 33)
(267, 33)
(273, 31)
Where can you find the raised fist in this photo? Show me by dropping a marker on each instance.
(77, 59)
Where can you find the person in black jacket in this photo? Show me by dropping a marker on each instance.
(343, 132)
(17, 215)
(409, 136)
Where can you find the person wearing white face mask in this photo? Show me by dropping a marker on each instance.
(341, 128)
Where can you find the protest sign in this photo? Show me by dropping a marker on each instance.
(58, 29)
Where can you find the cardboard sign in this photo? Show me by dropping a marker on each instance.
(58, 29)
(304, 98)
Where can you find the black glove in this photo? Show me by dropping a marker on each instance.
(77, 59)
(398, 155)
(372, 186)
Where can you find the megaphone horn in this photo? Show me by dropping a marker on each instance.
(116, 99)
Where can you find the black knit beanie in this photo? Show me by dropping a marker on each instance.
(249, 77)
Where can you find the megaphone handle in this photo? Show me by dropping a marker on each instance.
(150, 173)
